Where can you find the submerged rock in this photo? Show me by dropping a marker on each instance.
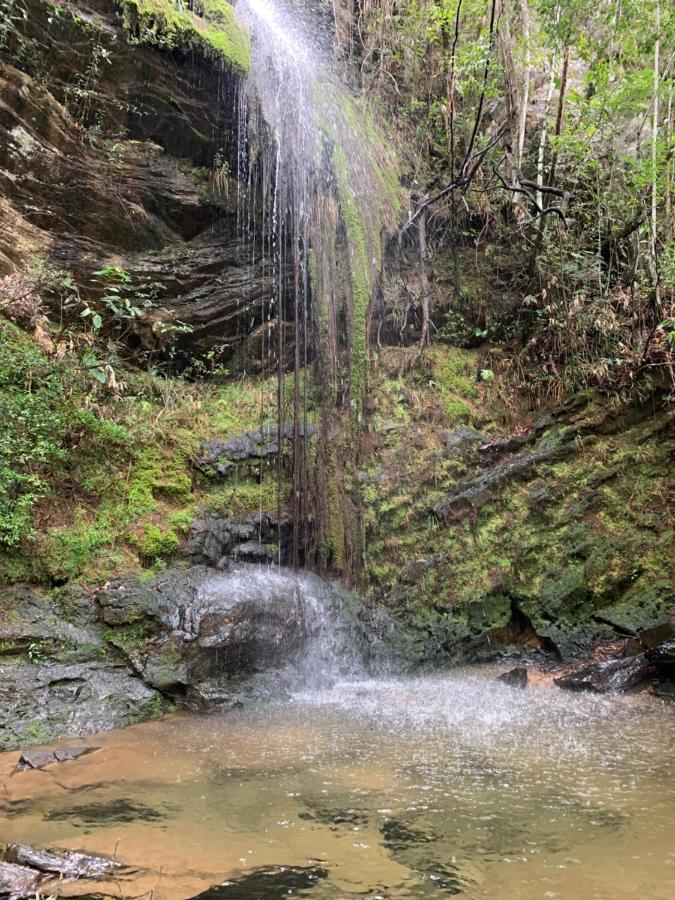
(271, 882)
(514, 677)
(38, 759)
(609, 675)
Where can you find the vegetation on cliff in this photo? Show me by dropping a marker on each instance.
(208, 26)
(493, 450)
(540, 139)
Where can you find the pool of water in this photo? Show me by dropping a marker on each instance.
(416, 788)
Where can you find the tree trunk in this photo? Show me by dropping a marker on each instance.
(525, 94)
(655, 137)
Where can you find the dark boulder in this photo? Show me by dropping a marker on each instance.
(221, 627)
(514, 677)
(608, 676)
(254, 551)
(267, 881)
(212, 540)
(658, 634)
(663, 658)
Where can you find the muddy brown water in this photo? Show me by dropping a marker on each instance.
(418, 788)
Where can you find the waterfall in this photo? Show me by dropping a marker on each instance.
(318, 188)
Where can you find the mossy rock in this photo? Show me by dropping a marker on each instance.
(210, 27)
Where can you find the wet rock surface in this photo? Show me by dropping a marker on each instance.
(220, 456)
(609, 675)
(158, 122)
(214, 541)
(516, 677)
(211, 629)
(271, 882)
(199, 636)
(41, 701)
(38, 759)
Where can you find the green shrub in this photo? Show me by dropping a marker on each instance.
(34, 426)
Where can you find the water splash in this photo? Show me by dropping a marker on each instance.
(322, 646)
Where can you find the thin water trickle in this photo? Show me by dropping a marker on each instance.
(316, 190)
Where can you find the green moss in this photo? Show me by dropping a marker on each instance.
(155, 708)
(210, 27)
(361, 282)
(182, 520)
(155, 542)
(240, 496)
(586, 544)
(453, 371)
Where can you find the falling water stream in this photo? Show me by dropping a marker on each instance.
(317, 191)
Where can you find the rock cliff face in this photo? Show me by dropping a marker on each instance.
(556, 536)
(83, 661)
(118, 154)
(117, 148)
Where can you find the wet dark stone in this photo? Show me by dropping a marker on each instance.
(212, 643)
(251, 445)
(398, 836)
(38, 759)
(514, 677)
(267, 883)
(335, 817)
(610, 675)
(663, 658)
(253, 551)
(212, 539)
(660, 633)
(666, 691)
(114, 811)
